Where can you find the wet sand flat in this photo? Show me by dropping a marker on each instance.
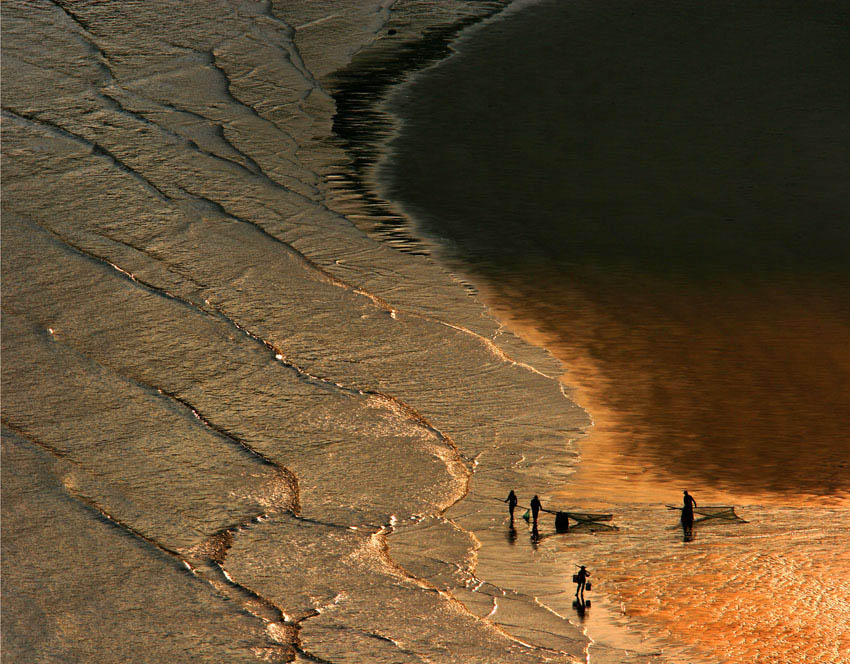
(277, 438)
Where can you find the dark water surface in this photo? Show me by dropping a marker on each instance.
(657, 191)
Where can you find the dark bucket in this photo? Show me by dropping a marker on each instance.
(562, 522)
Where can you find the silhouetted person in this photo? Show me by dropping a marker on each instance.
(688, 514)
(535, 509)
(581, 582)
(511, 501)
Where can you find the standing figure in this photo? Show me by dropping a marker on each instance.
(581, 582)
(511, 501)
(688, 514)
(535, 509)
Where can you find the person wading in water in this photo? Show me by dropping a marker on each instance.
(688, 514)
(535, 509)
(511, 501)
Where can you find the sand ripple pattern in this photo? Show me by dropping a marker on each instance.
(218, 390)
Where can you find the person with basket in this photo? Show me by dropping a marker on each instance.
(580, 579)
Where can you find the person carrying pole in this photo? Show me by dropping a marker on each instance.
(581, 582)
(688, 513)
(511, 500)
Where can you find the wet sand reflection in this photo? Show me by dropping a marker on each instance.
(737, 388)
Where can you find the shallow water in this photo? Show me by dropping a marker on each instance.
(653, 192)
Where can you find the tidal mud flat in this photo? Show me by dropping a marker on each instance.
(649, 191)
(235, 427)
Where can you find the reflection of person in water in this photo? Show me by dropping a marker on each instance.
(581, 608)
(581, 582)
(535, 509)
(535, 537)
(511, 501)
(688, 514)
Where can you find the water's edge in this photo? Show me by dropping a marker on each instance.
(292, 441)
(367, 128)
(365, 124)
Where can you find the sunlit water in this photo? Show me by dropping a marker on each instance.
(653, 192)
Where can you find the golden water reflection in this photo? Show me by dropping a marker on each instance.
(740, 396)
(775, 590)
(739, 391)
